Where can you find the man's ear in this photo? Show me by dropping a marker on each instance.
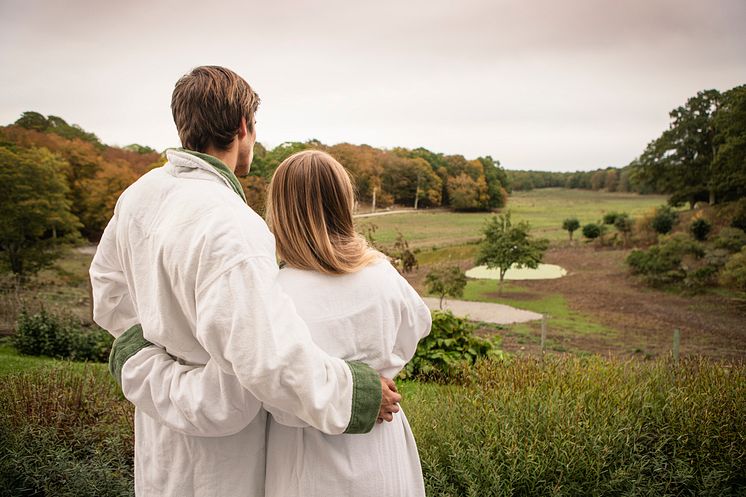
(243, 130)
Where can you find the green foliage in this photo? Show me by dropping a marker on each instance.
(402, 257)
(506, 245)
(610, 217)
(734, 272)
(739, 217)
(728, 168)
(730, 239)
(36, 220)
(674, 260)
(591, 231)
(570, 225)
(65, 432)
(577, 427)
(664, 219)
(54, 124)
(46, 334)
(446, 281)
(700, 228)
(450, 346)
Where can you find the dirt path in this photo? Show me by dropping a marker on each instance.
(483, 311)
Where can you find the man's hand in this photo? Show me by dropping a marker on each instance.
(389, 400)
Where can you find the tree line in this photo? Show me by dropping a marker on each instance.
(413, 177)
(59, 182)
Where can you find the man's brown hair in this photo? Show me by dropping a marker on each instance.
(208, 104)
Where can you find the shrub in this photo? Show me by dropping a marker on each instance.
(591, 231)
(450, 345)
(730, 239)
(664, 219)
(734, 272)
(624, 224)
(739, 217)
(669, 262)
(610, 217)
(570, 225)
(700, 228)
(62, 337)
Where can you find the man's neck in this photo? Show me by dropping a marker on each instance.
(228, 157)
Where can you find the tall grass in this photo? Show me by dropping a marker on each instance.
(65, 432)
(568, 426)
(585, 427)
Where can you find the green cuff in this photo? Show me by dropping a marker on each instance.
(366, 398)
(125, 346)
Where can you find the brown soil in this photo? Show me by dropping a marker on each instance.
(599, 286)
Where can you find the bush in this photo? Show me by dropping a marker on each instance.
(450, 345)
(664, 219)
(730, 239)
(700, 228)
(591, 231)
(61, 337)
(734, 272)
(739, 218)
(669, 262)
(610, 217)
(571, 426)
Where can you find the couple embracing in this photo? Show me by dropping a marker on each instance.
(249, 380)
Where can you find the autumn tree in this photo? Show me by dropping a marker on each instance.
(36, 218)
(507, 245)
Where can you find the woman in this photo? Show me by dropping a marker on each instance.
(357, 307)
(352, 299)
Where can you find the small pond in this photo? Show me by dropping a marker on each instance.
(543, 272)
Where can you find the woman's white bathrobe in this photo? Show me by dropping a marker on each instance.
(186, 257)
(373, 316)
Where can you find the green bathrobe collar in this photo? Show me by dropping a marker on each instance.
(221, 168)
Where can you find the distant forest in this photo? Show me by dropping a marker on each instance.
(700, 157)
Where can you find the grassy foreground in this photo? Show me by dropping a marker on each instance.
(565, 427)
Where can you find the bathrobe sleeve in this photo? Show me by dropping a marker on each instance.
(249, 326)
(113, 308)
(415, 322)
(194, 400)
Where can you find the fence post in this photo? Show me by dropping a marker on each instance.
(676, 346)
(543, 334)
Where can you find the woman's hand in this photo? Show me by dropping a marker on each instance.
(390, 399)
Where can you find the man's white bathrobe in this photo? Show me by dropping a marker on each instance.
(373, 316)
(189, 260)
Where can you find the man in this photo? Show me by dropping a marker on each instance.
(186, 258)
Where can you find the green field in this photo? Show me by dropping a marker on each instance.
(544, 209)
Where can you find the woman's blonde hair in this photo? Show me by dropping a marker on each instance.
(309, 210)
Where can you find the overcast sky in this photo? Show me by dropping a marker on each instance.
(549, 85)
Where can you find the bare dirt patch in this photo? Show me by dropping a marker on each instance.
(599, 285)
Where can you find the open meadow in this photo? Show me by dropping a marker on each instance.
(544, 209)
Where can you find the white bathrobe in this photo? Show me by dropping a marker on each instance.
(373, 316)
(189, 260)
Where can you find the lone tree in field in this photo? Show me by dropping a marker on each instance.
(36, 218)
(570, 225)
(446, 281)
(506, 245)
